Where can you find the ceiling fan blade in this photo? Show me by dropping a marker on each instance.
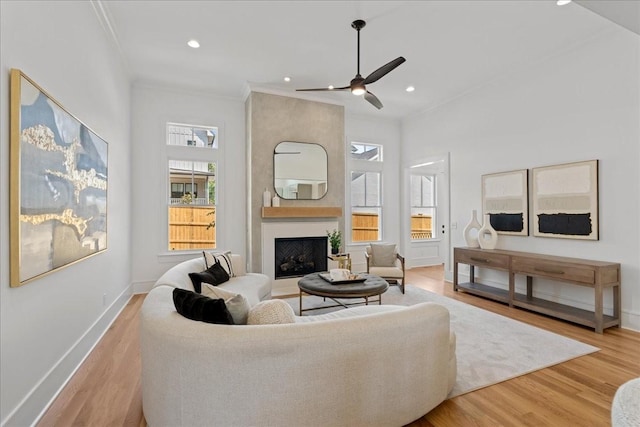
(323, 88)
(373, 100)
(382, 71)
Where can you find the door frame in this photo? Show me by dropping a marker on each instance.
(437, 164)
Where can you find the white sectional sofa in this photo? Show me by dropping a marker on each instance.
(371, 365)
(255, 287)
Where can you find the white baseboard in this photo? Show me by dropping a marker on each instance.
(142, 287)
(30, 409)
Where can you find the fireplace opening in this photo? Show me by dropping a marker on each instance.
(297, 256)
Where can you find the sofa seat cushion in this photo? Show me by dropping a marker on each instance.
(386, 272)
(255, 287)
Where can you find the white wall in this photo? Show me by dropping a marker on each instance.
(581, 105)
(373, 130)
(49, 325)
(152, 107)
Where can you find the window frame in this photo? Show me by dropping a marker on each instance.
(364, 166)
(434, 207)
(192, 153)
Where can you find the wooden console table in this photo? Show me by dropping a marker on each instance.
(594, 274)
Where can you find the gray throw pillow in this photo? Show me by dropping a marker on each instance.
(237, 304)
(383, 254)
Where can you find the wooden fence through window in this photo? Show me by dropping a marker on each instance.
(365, 227)
(188, 227)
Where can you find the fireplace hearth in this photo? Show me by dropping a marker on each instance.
(298, 256)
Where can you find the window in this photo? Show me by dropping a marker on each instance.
(192, 198)
(423, 207)
(365, 163)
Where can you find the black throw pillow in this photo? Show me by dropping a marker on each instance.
(215, 275)
(199, 307)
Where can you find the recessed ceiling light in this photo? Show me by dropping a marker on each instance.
(330, 87)
(410, 89)
(193, 43)
(287, 79)
(563, 2)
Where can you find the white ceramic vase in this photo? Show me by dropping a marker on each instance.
(487, 235)
(275, 202)
(471, 231)
(266, 198)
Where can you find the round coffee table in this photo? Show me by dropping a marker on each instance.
(313, 284)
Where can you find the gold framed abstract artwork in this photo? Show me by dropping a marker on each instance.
(58, 185)
(565, 201)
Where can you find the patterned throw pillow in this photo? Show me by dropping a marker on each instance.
(271, 312)
(224, 258)
(198, 307)
(237, 304)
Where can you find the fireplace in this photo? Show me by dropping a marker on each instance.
(297, 256)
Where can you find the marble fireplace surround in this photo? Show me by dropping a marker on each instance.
(272, 229)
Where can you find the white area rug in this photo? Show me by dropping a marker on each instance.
(490, 348)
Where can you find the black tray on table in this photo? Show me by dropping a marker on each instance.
(327, 277)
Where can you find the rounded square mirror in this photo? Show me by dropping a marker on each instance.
(300, 170)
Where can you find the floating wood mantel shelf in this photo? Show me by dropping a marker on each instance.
(302, 212)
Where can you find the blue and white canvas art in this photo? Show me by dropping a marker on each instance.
(58, 185)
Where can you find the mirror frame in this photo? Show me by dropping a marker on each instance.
(326, 169)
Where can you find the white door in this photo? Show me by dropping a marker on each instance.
(426, 212)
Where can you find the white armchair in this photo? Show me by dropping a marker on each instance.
(383, 260)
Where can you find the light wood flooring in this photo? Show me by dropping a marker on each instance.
(106, 389)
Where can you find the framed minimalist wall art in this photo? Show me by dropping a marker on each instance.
(565, 200)
(58, 185)
(505, 198)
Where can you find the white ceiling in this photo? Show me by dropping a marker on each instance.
(451, 47)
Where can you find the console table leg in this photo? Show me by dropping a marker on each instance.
(616, 303)
(512, 288)
(455, 276)
(598, 308)
(529, 287)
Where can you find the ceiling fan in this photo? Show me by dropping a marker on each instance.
(358, 83)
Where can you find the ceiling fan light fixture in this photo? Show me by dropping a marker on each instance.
(358, 90)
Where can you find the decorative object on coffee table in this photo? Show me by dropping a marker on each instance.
(335, 239)
(471, 230)
(487, 235)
